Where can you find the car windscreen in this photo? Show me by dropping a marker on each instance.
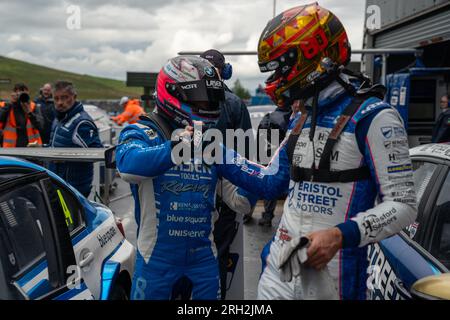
(99, 116)
(441, 232)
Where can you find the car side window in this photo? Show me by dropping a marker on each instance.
(441, 235)
(19, 212)
(9, 176)
(423, 171)
(71, 208)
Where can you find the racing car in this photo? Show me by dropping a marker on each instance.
(419, 257)
(54, 243)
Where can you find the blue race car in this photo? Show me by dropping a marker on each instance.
(423, 249)
(54, 243)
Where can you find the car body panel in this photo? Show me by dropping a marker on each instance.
(99, 239)
(438, 151)
(398, 265)
(398, 262)
(102, 121)
(111, 271)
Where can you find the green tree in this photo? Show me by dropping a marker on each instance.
(240, 91)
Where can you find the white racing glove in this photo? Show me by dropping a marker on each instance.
(292, 256)
(315, 285)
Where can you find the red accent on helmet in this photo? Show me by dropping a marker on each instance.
(313, 33)
(163, 95)
(189, 88)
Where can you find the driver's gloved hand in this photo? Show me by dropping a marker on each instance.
(312, 284)
(291, 257)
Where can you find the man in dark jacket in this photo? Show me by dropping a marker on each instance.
(73, 128)
(441, 131)
(46, 104)
(234, 116)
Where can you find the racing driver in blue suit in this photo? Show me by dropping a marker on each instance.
(175, 200)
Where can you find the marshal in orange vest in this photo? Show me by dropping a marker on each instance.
(10, 132)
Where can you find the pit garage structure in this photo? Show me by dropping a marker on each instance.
(416, 82)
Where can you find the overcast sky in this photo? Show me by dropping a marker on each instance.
(140, 35)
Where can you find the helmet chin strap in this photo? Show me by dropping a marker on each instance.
(315, 111)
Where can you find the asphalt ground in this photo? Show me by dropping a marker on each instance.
(255, 236)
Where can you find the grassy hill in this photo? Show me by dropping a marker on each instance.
(35, 76)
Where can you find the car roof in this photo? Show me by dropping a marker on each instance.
(436, 150)
(16, 162)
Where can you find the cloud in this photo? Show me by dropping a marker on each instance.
(140, 35)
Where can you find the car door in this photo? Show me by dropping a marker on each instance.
(35, 242)
(89, 254)
(398, 262)
(72, 225)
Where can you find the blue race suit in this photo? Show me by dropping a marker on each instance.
(175, 213)
(375, 137)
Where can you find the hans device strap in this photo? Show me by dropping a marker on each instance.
(162, 126)
(337, 131)
(293, 137)
(324, 173)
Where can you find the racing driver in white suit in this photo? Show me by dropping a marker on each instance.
(345, 163)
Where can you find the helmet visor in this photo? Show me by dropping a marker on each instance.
(202, 94)
(284, 62)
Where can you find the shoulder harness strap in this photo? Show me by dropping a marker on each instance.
(324, 174)
(162, 126)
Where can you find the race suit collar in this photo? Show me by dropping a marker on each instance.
(330, 94)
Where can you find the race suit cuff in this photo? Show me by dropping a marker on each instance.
(173, 144)
(350, 234)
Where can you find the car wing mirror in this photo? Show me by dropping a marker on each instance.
(432, 288)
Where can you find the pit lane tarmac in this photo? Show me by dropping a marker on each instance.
(255, 236)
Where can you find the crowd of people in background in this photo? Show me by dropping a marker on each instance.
(56, 119)
(25, 122)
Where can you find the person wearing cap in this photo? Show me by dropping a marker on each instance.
(233, 116)
(132, 110)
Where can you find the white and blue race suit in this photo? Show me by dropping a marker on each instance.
(366, 211)
(175, 213)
